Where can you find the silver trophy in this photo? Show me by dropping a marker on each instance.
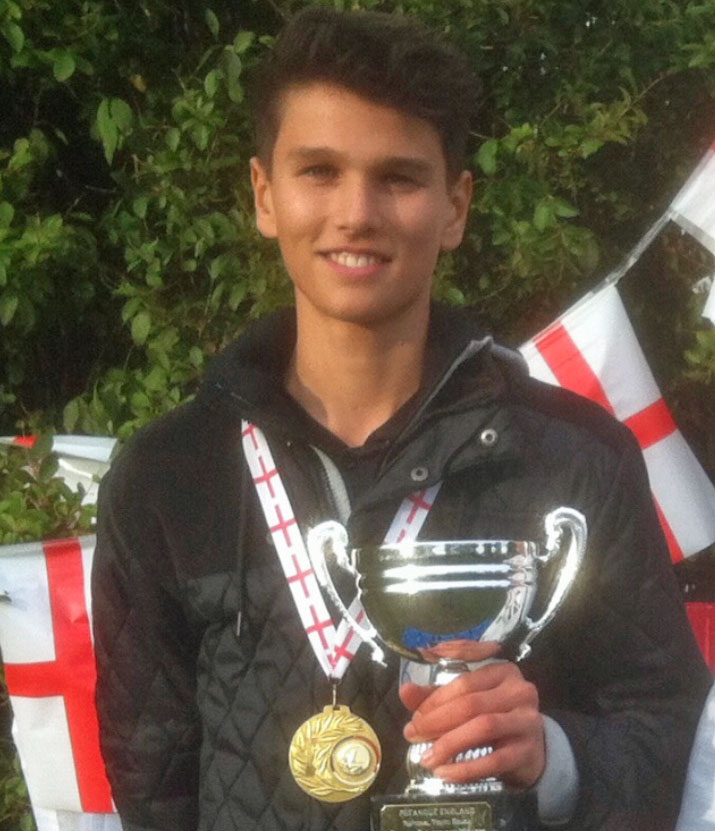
(416, 595)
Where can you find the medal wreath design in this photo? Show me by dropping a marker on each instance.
(335, 755)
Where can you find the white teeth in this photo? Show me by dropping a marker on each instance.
(353, 260)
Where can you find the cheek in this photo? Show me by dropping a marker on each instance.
(298, 213)
(422, 223)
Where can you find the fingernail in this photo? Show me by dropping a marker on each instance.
(427, 757)
(409, 731)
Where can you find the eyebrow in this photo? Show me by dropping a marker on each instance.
(414, 165)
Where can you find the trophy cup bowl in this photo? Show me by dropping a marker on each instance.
(418, 594)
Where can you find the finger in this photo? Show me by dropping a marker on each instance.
(495, 729)
(427, 724)
(484, 678)
(413, 695)
(462, 650)
(518, 764)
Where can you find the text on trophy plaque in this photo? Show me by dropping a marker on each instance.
(437, 816)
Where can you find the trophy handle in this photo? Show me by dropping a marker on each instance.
(555, 523)
(333, 534)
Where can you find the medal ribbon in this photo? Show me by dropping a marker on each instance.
(333, 649)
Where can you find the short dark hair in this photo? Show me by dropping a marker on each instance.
(388, 58)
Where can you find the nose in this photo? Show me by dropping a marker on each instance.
(357, 207)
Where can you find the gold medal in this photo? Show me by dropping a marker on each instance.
(334, 755)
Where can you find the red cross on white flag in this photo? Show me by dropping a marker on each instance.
(592, 350)
(46, 641)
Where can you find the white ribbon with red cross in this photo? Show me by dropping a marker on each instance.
(333, 648)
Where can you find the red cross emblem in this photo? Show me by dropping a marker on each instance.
(266, 477)
(318, 626)
(572, 370)
(72, 674)
(283, 525)
(341, 649)
(300, 575)
(418, 501)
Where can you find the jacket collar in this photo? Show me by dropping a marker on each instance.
(467, 381)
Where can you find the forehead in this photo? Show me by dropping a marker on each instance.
(329, 116)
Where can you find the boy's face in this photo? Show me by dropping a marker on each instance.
(358, 198)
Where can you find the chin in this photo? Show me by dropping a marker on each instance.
(373, 315)
(371, 311)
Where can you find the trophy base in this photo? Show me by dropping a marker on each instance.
(474, 812)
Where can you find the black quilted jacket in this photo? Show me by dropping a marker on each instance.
(197, 712)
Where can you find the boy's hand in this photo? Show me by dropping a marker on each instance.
(492, 705)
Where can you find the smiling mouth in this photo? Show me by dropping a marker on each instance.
(352, 260)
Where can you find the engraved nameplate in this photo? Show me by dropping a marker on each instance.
(437, 816)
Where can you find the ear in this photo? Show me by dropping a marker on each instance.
(263, 199)
(459, 195)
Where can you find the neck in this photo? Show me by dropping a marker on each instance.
(352, 378)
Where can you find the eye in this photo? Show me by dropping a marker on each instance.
(401, 181)
(319, 172)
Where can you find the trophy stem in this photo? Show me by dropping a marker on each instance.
(446, 670)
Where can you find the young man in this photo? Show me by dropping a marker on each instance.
(359, 398)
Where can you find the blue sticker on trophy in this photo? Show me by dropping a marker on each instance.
(414, 638)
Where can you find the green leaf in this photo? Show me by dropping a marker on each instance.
(8, 307)
(64, 66)
(196, 356)
(238, 293)
(14, 35)
(122, 114)
(12, 10)
(107, 130)
(140, 401)
(200, 135)
(543, 215)
(211, 82)
(232, 70)
(70, 415)
(139, 206)
(487, 156)
(212, 22)
(155, 381)
(242, 41)
(563, 208)
(141, 326)
(590, 146)
(173, 137)
(7, 212)
(129, 309)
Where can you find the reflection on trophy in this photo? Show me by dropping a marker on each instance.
(416, 595)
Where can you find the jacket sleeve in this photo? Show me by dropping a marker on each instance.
(635, 675)
(146, 659)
